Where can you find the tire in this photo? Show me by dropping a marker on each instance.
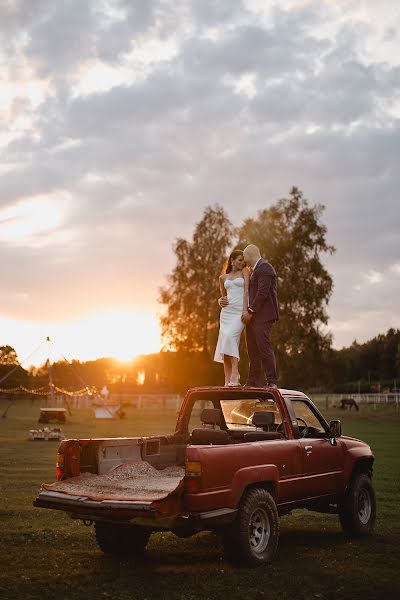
(252, 539)
(357, 513)
(121, 540)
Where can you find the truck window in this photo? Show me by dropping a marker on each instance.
(239, 413)
(198, 406)
(303, 411)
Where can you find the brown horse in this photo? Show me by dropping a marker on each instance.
(348, 402)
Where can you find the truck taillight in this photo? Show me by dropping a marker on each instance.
(193, 477)
(59, 466)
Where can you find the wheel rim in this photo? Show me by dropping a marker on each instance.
(364, 506)
(259, 530)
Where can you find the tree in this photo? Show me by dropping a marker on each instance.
(8, 356)
(292, 237)
(11, 373)
(192, 291)
(366, 367)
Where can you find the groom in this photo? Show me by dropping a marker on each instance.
(262, 312)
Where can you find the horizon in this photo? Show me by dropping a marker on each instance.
(56, 353)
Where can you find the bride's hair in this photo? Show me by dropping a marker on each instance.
(228, 263)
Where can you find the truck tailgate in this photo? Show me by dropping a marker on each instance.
(82, 507)
(129, 491)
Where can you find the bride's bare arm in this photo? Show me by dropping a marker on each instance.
(246, 276)
(222, 285)
(223, 301)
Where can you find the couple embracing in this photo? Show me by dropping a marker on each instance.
(248, 300)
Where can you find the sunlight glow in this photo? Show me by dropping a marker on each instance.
(141, 377)
(120, 333)
(26, 218)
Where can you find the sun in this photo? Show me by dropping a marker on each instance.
(119, 333)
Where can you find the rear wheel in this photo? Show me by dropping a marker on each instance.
(357, 513)
(252, 539)
(121, 540)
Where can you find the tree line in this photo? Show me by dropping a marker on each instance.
(292, 236)
(373, 366)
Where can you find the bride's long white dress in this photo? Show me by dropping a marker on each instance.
(231, 325)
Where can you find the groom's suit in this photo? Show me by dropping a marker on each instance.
(263, 304)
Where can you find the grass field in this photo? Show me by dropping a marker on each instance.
(45, 554)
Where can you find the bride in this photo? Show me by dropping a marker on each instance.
(234, 285)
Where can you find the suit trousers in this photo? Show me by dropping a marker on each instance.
(260, 351)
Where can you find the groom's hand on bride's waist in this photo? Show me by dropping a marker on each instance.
(223, 301)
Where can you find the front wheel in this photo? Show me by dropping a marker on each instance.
(121, 540)
(357, 512)
(252, 539)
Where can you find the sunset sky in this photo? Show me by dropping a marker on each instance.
(121, 120)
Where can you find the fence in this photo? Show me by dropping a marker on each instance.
(334, 400)
(148, 401)
(172, 402)
(139, 401)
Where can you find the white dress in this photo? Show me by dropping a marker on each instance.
(231, 326)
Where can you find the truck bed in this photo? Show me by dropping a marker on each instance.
(118, 478)
(137, 480)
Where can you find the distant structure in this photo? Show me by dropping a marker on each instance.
(104, 392)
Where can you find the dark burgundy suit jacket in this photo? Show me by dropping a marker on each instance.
(263, 298)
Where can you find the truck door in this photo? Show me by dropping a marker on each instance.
(286, 454)
(322, 463)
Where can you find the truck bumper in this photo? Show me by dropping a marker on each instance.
(161, 515)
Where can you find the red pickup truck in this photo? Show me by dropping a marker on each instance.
(240, 458)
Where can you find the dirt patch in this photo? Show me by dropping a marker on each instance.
(131, 481)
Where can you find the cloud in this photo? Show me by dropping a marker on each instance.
(136, 115)
(395, 268)
(374, 276)
(364, 304)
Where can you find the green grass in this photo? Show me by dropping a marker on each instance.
(45, 554)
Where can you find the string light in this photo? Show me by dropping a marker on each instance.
(40, 391)
(83, 392)
(34, 391)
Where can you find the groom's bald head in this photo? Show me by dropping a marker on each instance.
(251, 254)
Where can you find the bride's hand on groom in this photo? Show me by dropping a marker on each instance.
(223, 301)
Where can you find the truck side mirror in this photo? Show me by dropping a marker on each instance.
(335, 431)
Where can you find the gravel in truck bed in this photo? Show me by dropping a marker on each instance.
(130, 481)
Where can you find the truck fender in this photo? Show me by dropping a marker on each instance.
(356, 460)
(247, 476)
